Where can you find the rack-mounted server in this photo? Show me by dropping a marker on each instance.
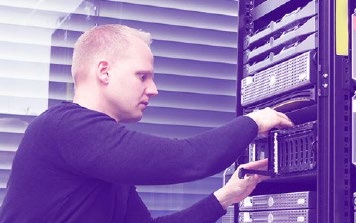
(290, 151)
(285, 207)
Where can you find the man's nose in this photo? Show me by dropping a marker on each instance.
(152, 90)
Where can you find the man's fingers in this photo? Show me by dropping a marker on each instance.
(284, 120)
(256, 165)
(262, 178)
(283, 117)
(255, 178)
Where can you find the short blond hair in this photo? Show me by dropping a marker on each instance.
(104, 40)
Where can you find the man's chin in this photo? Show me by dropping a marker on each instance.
(131, 119)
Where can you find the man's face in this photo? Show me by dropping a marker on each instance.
(131, 83)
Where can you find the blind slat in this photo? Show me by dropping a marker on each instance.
(208, 6)
(170, 16)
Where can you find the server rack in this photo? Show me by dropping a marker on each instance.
(275, 32)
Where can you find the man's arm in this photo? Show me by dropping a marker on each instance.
(94, 145)
(209, 209)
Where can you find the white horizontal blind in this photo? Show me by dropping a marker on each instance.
(194, 43)
(25, 47)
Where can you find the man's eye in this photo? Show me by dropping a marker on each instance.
(143, 76)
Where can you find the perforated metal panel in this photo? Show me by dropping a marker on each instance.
(286, 76)
(283, 216)
(294, 200)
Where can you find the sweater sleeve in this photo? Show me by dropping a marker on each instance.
(207, 210)
(94, 145)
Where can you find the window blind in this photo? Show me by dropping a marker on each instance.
(194, 43)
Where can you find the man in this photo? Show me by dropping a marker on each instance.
(76, 163)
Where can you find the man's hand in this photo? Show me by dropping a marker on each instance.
(237, 189)
(267, 118)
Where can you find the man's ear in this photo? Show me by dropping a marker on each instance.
(103, 72)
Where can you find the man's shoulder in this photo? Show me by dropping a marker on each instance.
(56, 110)
(70, 113)
(56, 113)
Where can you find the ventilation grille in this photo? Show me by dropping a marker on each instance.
(284, 77)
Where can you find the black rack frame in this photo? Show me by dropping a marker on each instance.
(335, 88)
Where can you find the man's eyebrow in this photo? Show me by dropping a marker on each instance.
(147, 72)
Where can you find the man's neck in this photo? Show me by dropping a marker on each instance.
(92, 102)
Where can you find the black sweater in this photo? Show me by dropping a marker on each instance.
(77, 165)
